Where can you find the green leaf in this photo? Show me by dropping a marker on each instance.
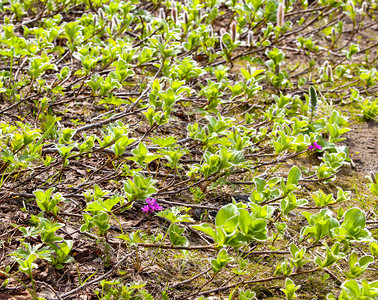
(227, 217)
(294, 176)
(352, 287)
(176, 214)
(221, 261)
(206, 228)
(353, 218)
(290, 289)
(164, 142)
(175, 235)
(106, 205)
(374, 249)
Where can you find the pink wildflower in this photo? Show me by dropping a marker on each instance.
(314, 146)
(151, 206)
(146, 209)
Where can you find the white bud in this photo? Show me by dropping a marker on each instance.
(280, 15)
(174, 15)
(351, 4)
(223, 31)
(329, 72)
(326, 63)
(200, 12)
(162, 13)
(250, 38)
(149, 28)
(233, 31)
(101, 13)
(372, 175)
(211, 32)
(115, 21)
(333, 31)
(221, 44)
(186, 17)
(364, 7)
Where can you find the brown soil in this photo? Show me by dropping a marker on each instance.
(362, 142)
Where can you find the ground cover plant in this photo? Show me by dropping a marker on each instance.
(188, 149)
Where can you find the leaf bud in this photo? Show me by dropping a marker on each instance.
(101, 14)
(352, 7)
(249, 69)
(333, 31)
(174, 14)
(211, 50)
(250, 38)
(115, 21)
(186, 17)
(280, 15)
(162, 13)
(95, 18)
(233, 31)
(149, 28)
(221, 45)
(223, 31)
(364, 7)
(206, 129)
(248, 83)
(210, 29)
(329, 72)
(324, 68)
(372, 175)
(200, 14)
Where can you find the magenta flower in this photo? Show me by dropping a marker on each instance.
(146, 209)
(151, 206)
(314, 146)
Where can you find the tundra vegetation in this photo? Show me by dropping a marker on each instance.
(186, 149)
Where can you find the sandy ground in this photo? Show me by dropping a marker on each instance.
(362, 141)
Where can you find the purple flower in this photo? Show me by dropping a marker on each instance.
(314, 146)
(317, 146)
(146, 209)
(151, 201)
(151, 206)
